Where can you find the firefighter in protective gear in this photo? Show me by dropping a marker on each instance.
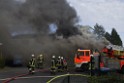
(59, 64)
(53, 68)
(92, 65)
(105, 50)
(40, 60)
(110, 52)
(32, 64)
(64, 64)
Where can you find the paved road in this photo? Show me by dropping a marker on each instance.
(41, 76)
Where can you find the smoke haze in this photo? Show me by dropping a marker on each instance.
(25, 29)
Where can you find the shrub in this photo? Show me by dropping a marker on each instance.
(113, 78)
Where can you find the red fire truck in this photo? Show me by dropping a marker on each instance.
(111, 57)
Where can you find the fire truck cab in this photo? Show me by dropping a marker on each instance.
(82, 59)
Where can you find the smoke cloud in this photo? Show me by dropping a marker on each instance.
(32, 27)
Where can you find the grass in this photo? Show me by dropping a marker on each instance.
(111, 78)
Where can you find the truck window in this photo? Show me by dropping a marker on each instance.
(87, 53)
(81, 53)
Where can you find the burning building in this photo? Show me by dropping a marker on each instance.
(31, 26)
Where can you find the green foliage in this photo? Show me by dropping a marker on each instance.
(106, 79)
(99, 30)
(108, 36)
(115, 38)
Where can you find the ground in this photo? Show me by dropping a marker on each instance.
(41, 76)
(20, 75)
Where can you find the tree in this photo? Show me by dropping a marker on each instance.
(115, 38)
(99, 30)
(108, 36)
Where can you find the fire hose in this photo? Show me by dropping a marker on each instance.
(21, 75)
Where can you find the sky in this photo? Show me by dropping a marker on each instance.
(108, 13)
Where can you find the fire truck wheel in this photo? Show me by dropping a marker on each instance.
(85, 66)
(122, 69)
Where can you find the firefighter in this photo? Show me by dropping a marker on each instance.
(64, 64)
(53, 65)
(105, 50)
(110, 52)
(92, 65)
(40, 60)
(32, 64)
(59, 64)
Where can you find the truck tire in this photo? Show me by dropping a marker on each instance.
(85, 67)
(77, 69)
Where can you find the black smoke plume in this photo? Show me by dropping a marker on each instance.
(25, 29)
(41, 13)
